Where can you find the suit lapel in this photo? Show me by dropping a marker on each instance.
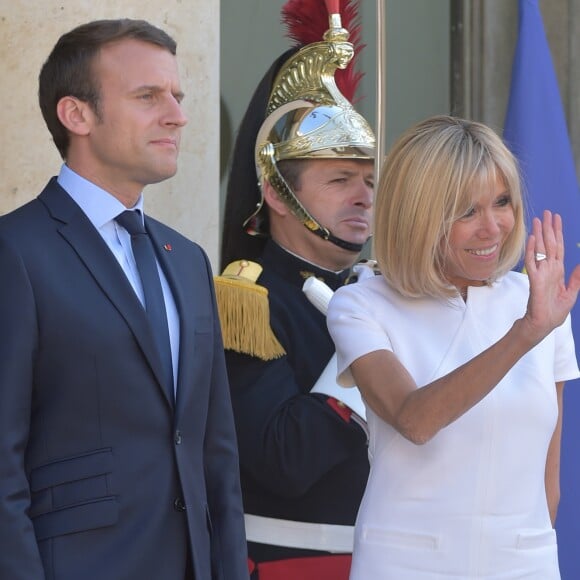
(92, 250)
(167, 249)
(180, 273)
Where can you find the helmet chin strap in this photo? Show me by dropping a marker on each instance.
(328, 236)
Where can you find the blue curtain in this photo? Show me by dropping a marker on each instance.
(535, 130)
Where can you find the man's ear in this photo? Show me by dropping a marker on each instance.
(76, 115)
(273, 200)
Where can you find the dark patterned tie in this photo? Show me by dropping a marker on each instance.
(154, 302)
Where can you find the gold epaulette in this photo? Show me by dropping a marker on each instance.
(244, 311)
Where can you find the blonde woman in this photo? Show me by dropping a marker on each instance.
(462, 364)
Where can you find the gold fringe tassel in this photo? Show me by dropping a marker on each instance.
(244, 314)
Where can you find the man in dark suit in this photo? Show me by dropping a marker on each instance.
(116, 462)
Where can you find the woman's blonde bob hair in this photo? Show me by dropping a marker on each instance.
(429, 179)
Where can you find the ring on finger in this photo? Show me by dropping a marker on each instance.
(539, 256)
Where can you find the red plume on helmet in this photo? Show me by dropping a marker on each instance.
(306, 22)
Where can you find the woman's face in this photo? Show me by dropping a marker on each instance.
(476, 238)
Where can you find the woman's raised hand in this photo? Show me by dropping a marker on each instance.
(550, 298)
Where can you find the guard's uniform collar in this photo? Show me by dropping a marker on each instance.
(295, 270)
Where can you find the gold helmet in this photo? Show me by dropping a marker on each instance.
(306, 116)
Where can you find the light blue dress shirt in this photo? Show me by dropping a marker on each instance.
(102, 208)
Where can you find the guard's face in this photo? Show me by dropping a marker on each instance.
(338, 193)
(135, 140)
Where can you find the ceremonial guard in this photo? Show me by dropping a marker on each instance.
(298, 206)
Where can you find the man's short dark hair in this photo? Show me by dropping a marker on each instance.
(68, 71)
(291, 170)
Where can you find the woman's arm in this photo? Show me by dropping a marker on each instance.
(553, 459)
(418, 414)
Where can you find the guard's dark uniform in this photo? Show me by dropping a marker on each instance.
(302, 457)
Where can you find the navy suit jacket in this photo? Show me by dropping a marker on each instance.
(102, 474)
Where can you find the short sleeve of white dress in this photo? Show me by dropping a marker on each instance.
(353, 325)
(358, 315)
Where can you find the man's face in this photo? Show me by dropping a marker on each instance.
(338, 193)
(135, 139)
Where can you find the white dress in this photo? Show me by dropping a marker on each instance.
(471, 502)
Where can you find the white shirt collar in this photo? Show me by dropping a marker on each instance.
(99, 205)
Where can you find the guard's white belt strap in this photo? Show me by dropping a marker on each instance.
(303, 535)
